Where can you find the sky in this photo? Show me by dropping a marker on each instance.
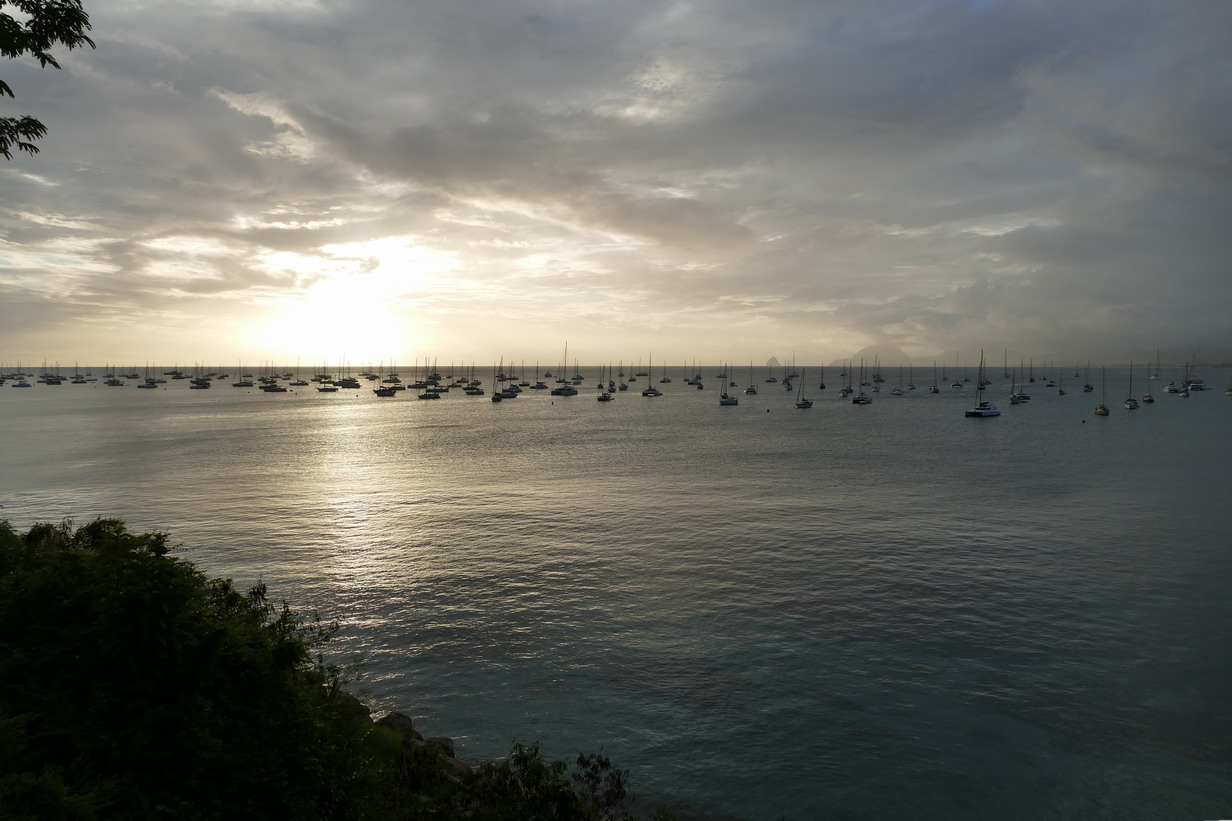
(373, 181)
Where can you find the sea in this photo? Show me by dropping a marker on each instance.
(883, 611)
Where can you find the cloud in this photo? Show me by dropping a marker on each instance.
(943, 176)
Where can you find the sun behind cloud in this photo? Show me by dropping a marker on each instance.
(358, 310)
(344, 319)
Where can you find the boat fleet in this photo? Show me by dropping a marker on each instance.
(432, 384)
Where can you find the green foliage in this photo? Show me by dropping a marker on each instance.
(408, 780)
(45, 24)
(136, 687)
(142, 687)
(602, 786)
(35, 797)
(415, 783)
(524, 786)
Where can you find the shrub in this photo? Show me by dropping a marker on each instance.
(137, 686)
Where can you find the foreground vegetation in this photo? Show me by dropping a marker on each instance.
(136, 687)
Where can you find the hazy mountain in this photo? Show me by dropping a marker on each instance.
(883, 354)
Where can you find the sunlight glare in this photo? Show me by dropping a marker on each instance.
(352, 318)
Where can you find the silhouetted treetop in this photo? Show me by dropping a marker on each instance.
(38, 26)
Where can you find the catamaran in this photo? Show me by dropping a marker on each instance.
(982, 406)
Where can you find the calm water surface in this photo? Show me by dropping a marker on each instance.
(887, 611)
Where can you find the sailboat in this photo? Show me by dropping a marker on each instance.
(801, 402)
(565, 386)
(898, 390)
(498, 395)
(862, 398)
(1130, 402)
(503, 388)
(605, 390)
(1018, 394)
(651, 390)
(751, 390)
(1192, 381)
(1147, 399)
(539, 385)
(298, 382)
(724, 398)
(982, 406)
(1101, 409)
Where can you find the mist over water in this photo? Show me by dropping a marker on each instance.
(843, 612)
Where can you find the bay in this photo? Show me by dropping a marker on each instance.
(843, 612)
